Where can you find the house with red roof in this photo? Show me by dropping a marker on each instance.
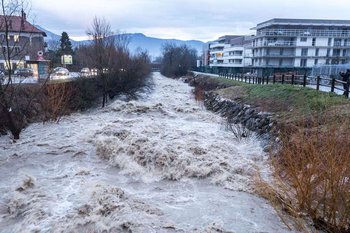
(22, 43)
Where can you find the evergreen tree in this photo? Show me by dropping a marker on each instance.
(66, 45)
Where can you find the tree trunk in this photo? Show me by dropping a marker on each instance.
(14, 129)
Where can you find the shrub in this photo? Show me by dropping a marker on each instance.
(316, 163)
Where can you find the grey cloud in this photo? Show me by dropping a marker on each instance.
(205, 18)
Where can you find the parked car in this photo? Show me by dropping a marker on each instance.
(60, 71)
(85, 72)
(24, 72)
(94, 71)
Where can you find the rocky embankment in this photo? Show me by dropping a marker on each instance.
(239, 113)
(234, 109)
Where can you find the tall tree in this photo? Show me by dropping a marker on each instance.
(104, 51)
(66, 44)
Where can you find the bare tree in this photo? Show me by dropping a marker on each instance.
(103, 51)
(13, 24)
(118, 71)
(177, 60)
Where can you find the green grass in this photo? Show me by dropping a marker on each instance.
(279, 98)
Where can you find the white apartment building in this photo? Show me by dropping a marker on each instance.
(231, 53)
(297, 45)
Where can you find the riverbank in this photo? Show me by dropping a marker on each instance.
(313, 134)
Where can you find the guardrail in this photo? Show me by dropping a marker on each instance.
(320, 83)
(304, 80)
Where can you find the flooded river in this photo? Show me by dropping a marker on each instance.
(159, 164)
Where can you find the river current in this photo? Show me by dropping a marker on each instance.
(159, 164)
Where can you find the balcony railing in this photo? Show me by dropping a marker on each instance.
(303, 33)
(217, 45)
(275, 55)
(276, 44)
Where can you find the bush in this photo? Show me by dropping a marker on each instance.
(316, 163)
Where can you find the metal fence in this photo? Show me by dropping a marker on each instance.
(320, 83)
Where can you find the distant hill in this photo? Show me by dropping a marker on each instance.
(154, 45)
(137, 40)
(50, 35)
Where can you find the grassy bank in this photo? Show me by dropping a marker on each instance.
(313, 159)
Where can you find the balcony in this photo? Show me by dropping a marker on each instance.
(233, 56)
(277, 55)
(217, 46)
(303, 33)
(275, 44)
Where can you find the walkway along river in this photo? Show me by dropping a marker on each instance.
(160, 164)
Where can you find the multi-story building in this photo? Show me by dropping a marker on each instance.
(282, 45)
(21, 42)
(231, 53)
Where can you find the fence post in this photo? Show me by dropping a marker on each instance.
(249, 79)
(245, 79)
(267, 79)
(304, 81)
(282, 78)
(274, 79)
(263, 80)
(292, 79)
(318, 83)
(347, 89)
(333, 84)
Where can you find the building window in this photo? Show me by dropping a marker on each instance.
(303, 62)
(303, 39)
(281, 51)
(328, 52)
(336, 52)
(344, 52)
(337, 42)
(316, 61)
(17, 50)
(327, 61)
(304, 52)
(280, 62)
(345, 42)
(16, 38)
(317, 52)
(329, 41)
(313, 41)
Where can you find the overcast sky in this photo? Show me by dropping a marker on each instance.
(181, 19)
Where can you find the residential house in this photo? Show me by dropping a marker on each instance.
(21, 42)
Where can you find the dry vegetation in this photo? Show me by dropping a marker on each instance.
(57, 101)
(312, 163)
(316, 163)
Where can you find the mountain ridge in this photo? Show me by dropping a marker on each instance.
(137, 40)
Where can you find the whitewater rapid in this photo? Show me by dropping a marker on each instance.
(159, 164)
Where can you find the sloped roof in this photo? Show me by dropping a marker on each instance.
(18, 24)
